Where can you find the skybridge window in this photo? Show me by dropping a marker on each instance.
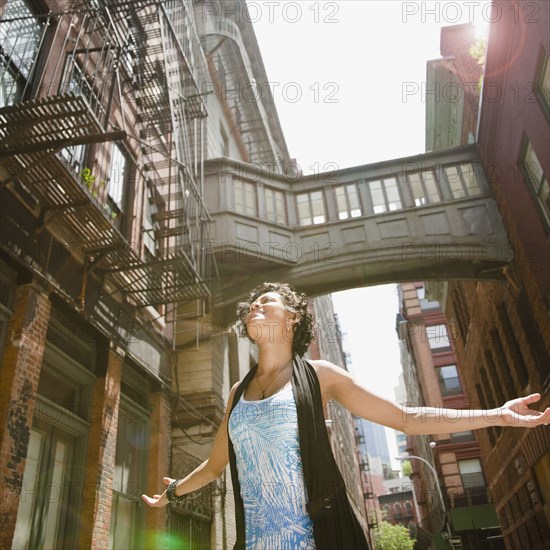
(311, 208)
(463, 180)
(245, 198)
(275, 206)
(424, 188)
(385, 195)
(347, 199)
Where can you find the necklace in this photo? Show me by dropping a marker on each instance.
(263, 390)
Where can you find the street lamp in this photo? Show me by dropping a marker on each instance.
(447, 533)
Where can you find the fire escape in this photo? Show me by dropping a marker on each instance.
(113, 71)
(370, 498)
(237, 87)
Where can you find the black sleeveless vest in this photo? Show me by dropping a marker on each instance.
(335, 526)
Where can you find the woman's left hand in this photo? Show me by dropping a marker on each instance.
(517, 413)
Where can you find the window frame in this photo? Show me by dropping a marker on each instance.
(309, 203)
(426, 198)
(388, 206)
(349, 212)
(274, 215)
(534, 189)
(22, 83)
(117, 200)
(464, 187)
(449, 391)
(131, 408)
(543, 81)
(477, 472)
(241, 194)
(437, 335)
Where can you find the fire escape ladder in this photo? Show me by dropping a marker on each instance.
(241, 91)
(110, 54)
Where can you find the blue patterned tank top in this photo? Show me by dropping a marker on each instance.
(265, 438)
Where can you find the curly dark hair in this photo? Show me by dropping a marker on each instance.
(294, 301)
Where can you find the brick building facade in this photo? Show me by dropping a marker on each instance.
(435, 373)
(502, 330)
(104, 272)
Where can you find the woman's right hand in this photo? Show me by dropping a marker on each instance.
(157, 501)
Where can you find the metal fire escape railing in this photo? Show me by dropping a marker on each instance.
(223, 40)
(111, 70)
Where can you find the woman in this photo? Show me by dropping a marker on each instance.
(288, 491)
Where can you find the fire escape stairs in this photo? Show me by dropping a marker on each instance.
(34, 132)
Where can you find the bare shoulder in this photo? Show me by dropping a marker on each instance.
(326, 368)
(328, 374)
(231, 396)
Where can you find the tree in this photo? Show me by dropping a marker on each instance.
(393, 537)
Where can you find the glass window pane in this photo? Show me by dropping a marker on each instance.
(250, 197)
(341, 203)
(537, 181)
(318, 207)
(130, 461)
(52, 517)
(470, 179)
(120, 532)
(280, 207)
(20, 37)
(438, 337)
(29, 491)
(471, 472)
(377, 196)
(304, 214)
(544, 198)
(463, 437)
(10, 87)
(545, 80)
(275, 206)
(455, 183)
(417, 190)
(238, 196)
(533, 167)
(431, 187)
(354, 204)
(117, 174)
(317, 202)
(392, 192)
(449, 382)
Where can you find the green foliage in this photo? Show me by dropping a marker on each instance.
(406, 468)
(88, 178)
(95, 187)
(478, 51)
(393, 537)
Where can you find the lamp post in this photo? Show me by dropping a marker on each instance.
(447, 533)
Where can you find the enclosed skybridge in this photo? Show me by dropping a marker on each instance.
(426, 217)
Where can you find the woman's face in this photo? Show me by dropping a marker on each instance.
(268, 317)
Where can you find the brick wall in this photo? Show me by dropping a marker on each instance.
(20, 372)
(100, 459)
(159, 460)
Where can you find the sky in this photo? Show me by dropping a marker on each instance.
(348, 81)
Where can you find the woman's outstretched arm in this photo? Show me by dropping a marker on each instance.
(208, 471)
(338, 384)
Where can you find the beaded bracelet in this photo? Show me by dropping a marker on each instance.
(171, 492)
